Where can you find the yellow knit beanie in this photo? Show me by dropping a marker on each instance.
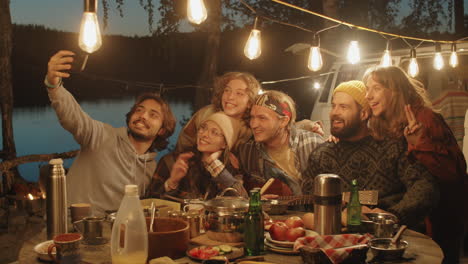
(356, 89)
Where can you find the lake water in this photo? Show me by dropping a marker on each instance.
(37, 130)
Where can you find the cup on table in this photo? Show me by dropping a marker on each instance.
(67, 247)
(79, 211)
(91, 229)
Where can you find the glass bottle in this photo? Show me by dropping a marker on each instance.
(254, 226)
(129, 239)
(354, 209)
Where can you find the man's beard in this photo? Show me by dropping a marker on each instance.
(348, 130)
(139, 137)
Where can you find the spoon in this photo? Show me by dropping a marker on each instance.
(396, 237)
(153, 210)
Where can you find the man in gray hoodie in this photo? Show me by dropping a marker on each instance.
(109, 157)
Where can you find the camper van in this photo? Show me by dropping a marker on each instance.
(447, 88)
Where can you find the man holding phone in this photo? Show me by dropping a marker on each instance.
(109, 157)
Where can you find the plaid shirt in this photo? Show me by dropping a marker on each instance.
(258, 166)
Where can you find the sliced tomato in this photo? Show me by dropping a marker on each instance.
(194, 252)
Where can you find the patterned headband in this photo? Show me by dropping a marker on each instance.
(280, 108)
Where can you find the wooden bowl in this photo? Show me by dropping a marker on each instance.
(170, 237)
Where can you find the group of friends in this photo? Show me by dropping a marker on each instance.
(384, 134)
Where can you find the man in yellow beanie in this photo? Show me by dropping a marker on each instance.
(405, 189)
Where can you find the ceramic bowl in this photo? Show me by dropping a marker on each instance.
(41, 250)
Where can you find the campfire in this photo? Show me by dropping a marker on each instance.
(28, 197)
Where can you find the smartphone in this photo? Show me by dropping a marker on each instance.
(79, 62)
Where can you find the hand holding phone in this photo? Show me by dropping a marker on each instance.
(79, 62)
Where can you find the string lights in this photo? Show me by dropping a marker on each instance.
(196, 11)
(438, 59)
(386, 59)
(252, 49)
(315, 61)
(453, 56)
(90, 36)
(413, 68)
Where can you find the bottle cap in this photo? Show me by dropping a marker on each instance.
(56, 162)
(131, 189)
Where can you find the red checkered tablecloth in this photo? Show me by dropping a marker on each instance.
(332, 245)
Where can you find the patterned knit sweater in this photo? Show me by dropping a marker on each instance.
(405, 189)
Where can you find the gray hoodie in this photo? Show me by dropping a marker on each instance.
(107, 160)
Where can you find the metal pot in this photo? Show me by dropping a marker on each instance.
(225, 217)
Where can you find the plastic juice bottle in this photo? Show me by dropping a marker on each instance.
(354, 209)
(129, 239)
(254, 226)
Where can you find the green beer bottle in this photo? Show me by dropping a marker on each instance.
(354, 209)
(254, 226)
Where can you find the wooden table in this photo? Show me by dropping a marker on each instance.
(422, 249)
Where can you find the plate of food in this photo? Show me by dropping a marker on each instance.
(209, 252)
(41, 250)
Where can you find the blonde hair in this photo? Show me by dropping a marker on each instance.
(253, 87)
(405, 90)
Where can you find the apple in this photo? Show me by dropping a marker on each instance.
(278, 231)
(294, 221)
(308, 219)
(294, 233)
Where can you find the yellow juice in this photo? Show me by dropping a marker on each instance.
(138, 257)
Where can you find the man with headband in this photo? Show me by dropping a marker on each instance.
(405, 189)
(279, 150)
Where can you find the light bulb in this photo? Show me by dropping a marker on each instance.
(438, 61)
(315, 59)
(353, 52)
(90, 35)
(196, 11)
(252, 49)
(316, 85)
(413, 68)
(453, 56)
(386, 60)
(260, 92)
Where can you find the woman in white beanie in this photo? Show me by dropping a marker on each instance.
(207, 169)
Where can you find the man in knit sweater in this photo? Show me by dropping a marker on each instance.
(405, 188)
(110, 157)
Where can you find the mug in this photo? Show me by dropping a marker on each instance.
(79, 211)
(67, 247)
(91, 228)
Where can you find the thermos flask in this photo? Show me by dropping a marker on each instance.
(327, 204)
(56, 199)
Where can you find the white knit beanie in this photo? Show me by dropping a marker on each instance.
(228, 125)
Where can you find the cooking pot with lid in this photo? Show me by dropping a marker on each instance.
(225, 217)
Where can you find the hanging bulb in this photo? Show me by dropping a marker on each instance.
(315, 62)
(438, 59)
(90, 35)
(353, 52)
(253, 49)
(453, 56)
(196, 11)
(413, 68)
(260, 92)
(386, 60)
(317, 85)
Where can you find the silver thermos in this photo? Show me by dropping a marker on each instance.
(56, 199)
(327, 204)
